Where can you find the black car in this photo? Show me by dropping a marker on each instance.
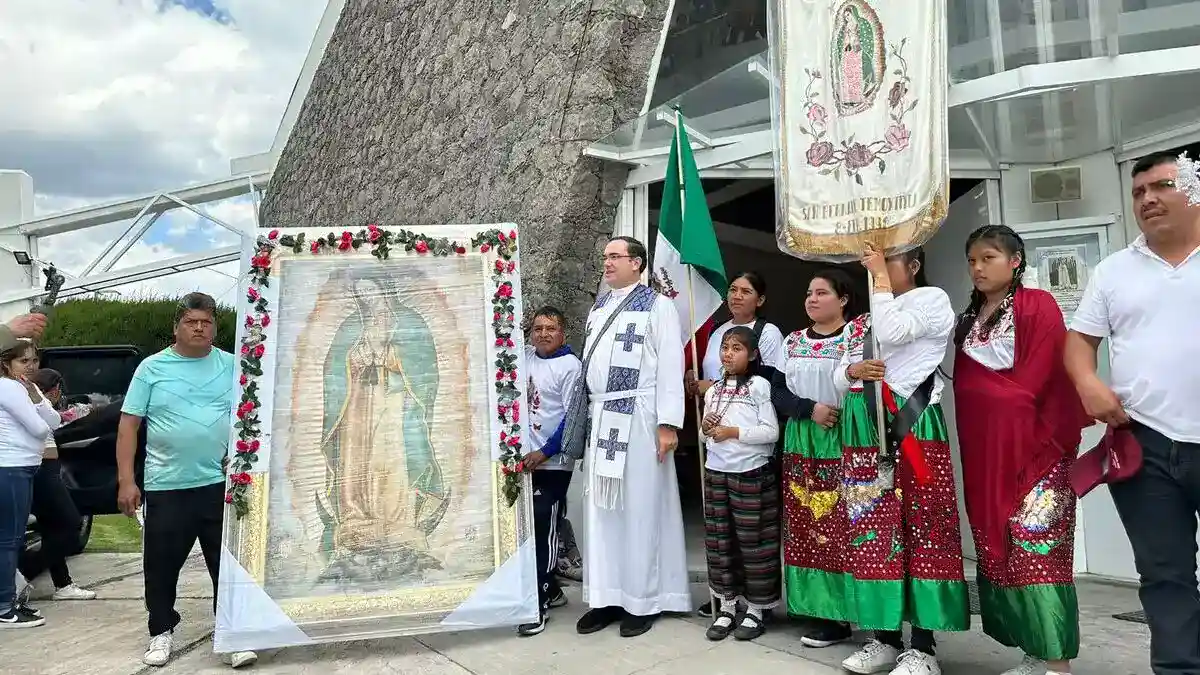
(87, 447)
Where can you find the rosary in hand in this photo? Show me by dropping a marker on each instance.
(713, 419)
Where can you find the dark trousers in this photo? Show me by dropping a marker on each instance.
(1158, 508)
(58, 520)
(922, 639)
(549, 499)
(16, 493)
(175, 520)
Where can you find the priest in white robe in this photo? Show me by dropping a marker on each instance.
(635, 565)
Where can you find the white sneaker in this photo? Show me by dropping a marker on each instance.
(874, 657)
(159, 651)
(239, 659)
(73, 592)
(913, 662)
(1028, 666)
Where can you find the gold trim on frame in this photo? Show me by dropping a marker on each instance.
(250, 549)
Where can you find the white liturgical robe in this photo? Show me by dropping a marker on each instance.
(635, 556)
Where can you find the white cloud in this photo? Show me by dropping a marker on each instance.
(114, 98)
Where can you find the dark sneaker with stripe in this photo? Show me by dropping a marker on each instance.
(16, 618)
(531, 629)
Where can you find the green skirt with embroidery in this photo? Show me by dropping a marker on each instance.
(904, 560)
(814, 520)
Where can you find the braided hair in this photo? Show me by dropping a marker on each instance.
(1005, 239)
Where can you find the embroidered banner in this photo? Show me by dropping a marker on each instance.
(859, 116)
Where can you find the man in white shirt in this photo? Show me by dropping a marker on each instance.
(635, 561)
(553, 372)
(1145, 300)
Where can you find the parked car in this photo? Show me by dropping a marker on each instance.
(87, 447)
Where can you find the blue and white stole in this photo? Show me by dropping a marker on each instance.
(613, 409)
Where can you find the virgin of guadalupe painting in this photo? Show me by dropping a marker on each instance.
(385, 490)
(859, 57)
(380, 483)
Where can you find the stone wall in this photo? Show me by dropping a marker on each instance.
(474, 111)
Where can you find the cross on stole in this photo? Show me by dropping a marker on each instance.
(611, 446)
(630, 338)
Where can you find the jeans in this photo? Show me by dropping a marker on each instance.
(549, 497)
(1158, 508)
(175, 519)
(58, 519)
(16, 494)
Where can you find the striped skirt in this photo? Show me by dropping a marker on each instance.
(741, 535)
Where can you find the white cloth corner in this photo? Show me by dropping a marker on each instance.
(247, 618)
(509, 597)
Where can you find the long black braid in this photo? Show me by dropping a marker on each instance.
(1005, 239)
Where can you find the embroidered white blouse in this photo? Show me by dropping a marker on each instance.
(997, 348)
(811, 358)
(913, 331)
(749, 409)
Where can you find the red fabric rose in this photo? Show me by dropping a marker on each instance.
(242, 478)
(511, 266)
(315, 247)
(484, 248)
(245, 350)
(254, 445)
(265, 320)
(259, 350)
(252, 293)
(421, 246)
(460, 250)
(374, 235)
(505, 290)
(242, 446)
(243, 380)
(249, 321)
(344, 245)
(512, 235)
(228, 497)
(273, 235)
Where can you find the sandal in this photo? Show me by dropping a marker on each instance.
(716, 631)
(749, 628)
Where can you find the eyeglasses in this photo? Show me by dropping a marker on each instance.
(614, 257)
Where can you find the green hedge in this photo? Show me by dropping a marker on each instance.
(148, 324)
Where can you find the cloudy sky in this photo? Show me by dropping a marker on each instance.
(108, 99)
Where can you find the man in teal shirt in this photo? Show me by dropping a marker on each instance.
(185, 395)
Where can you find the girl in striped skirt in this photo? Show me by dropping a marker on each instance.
(741, 514)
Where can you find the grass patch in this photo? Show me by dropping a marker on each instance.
(115, 534)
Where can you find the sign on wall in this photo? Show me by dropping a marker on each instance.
(859, 114)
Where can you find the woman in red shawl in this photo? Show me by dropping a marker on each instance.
(1019, 423)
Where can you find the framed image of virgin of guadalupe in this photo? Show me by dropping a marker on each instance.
(373, 487)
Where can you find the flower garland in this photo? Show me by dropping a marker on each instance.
(381, 242)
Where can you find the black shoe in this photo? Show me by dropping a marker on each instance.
(556, 601)
(749, 628)
(24, 608)
(530, 629)
(596, 620)
(706, 610)
(633, 626)
(718, 631)
(826, 634)
(15, 618)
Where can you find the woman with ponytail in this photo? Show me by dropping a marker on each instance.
(1019, 424)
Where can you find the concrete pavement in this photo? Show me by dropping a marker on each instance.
(107, 637)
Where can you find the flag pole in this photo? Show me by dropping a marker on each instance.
(680, 139)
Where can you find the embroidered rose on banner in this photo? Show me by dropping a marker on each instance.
(853, 99)
(381, 242)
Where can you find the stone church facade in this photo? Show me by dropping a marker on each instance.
(478, 111)
(474, 111)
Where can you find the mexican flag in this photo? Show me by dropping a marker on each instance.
(687, 264)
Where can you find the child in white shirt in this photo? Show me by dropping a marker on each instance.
(741, 490)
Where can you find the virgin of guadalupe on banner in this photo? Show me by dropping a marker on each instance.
(859, 116)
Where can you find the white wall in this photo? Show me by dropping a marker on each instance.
(16, 206)
(1103, 194)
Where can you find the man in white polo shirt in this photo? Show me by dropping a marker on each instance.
(1145, 300)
